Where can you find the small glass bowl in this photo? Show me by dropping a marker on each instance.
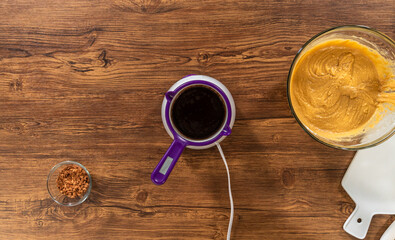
(371, 38)
(53, 190)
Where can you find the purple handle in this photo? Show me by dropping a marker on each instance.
(166, 164)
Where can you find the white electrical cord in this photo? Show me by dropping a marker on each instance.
(230, 192)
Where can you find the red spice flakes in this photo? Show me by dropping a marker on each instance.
(73, 181)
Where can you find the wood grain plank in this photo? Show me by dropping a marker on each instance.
(84, 80)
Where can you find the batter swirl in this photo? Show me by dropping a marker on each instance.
(338, 85)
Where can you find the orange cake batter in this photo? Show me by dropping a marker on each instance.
(339, 85)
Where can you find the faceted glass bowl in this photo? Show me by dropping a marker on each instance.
(53, 190)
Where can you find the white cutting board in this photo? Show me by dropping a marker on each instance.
(370, 182)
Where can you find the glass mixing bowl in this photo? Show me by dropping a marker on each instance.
(375, 40)
(53, 190)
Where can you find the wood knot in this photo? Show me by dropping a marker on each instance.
(203, 58)
(92, 38)
(16, 85)
(103, 58)
(276, 138)
(346, 208)
(218, 235)
(148, 6)
(146, 214)
(142, 196)
(40, 223)
(287, 178)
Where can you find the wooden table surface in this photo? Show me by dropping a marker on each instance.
(84, 81)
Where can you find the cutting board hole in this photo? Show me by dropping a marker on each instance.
(359, 220)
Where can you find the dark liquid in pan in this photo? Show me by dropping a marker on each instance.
(198, 112)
